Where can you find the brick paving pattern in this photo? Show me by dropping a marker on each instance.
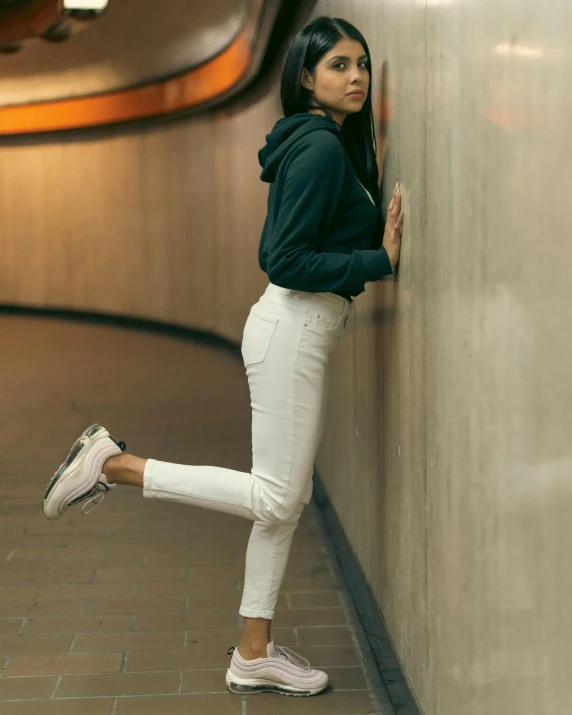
(131, 609)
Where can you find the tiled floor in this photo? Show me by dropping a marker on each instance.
(131, 609)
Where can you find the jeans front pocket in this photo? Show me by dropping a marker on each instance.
(324, 318)
(258, 331)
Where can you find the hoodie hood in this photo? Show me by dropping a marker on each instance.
(285, 133)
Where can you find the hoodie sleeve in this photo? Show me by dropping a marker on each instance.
(313, 184)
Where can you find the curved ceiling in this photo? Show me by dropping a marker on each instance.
(135, 42)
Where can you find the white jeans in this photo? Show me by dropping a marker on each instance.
(287, 340)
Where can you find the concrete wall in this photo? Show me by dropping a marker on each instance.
(447, 450)
(450, 461)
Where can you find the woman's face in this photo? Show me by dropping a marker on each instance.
(341, 70)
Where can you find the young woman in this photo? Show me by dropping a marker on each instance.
(320, 244)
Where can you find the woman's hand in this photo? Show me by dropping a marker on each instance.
(393, 226)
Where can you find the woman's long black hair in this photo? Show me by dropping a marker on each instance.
(307, 48)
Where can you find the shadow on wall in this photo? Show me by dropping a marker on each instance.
(385, 114)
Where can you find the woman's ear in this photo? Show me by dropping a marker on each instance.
(306, 79)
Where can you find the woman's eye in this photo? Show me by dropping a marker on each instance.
(343, 63)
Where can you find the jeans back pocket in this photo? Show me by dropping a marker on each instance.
(256, 337)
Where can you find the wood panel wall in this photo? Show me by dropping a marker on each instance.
(161, 222)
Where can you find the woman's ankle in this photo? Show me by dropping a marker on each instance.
(111, 467)
(254, 638)
(124, 469)
(250, 651)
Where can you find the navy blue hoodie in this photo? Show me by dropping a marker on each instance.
(321, 222)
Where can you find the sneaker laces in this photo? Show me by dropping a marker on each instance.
(99, 496)
(99, 489)
(289, 655)
(284, 653)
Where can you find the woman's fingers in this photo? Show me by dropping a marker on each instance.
(393, 227)
(393, 214)
(394, 224)
(395, 203)
(397, 228)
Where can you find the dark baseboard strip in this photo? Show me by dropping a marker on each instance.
(381, 663)
(142, 324)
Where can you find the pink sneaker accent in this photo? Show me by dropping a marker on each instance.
(80, 475)
(281, 672)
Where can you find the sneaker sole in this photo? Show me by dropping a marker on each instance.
(243, 686)
(75, 458)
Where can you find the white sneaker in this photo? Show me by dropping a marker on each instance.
(279, 673)
(80, 476)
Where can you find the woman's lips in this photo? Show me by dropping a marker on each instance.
(356, 94)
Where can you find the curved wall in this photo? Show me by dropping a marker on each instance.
(157, 222)
(135, 42)
(446, 452)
